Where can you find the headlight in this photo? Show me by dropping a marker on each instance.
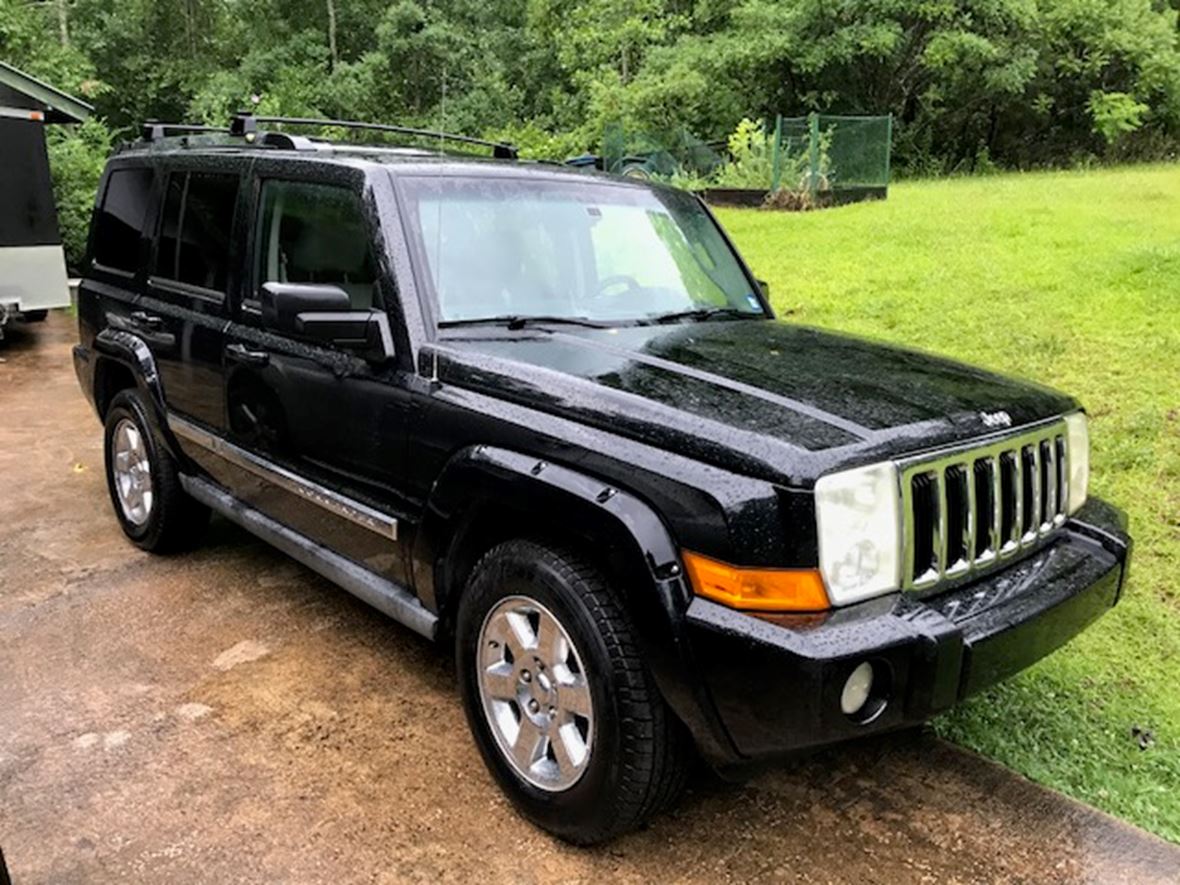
(1077, 445)
(859, 527)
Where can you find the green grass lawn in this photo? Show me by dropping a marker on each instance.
(1071, 279)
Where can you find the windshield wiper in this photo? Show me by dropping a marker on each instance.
(703, 314)
(514, 322)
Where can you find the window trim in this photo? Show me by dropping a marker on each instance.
(179, 287)
(175, 286)
(250, 304)
(100, 204)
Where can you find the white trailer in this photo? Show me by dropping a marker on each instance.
(32, 264)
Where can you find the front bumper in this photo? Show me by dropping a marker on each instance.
(776, 680)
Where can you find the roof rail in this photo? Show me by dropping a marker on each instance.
(153, 130)
(246, 124)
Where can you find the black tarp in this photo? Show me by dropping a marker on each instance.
(27, 213)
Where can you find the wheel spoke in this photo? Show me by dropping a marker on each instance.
(530, 744)
(522, 636)
(568, 748)
(500, 630)
(551, 645)
(500, 681)
(574, 697)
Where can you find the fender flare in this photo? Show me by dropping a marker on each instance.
(656, 601)
(132, 352)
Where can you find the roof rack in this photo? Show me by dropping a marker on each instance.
(246, 124)
(153, 130)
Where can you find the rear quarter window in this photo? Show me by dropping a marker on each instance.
(194, 240)
(120, 217)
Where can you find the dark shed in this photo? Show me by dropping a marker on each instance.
(32, 266)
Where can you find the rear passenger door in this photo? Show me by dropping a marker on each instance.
(321, 428)
(183, 313)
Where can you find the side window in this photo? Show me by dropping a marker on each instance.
(119, 219)
(315, 233)
(195, 230)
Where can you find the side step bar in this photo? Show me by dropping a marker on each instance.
(385, 596)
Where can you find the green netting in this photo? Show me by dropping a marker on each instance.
(821, 155)
(668, 155)
(844, 153)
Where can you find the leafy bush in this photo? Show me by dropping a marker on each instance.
(77, 155)
(751, 160)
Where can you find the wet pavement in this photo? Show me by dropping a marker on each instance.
(228, 716)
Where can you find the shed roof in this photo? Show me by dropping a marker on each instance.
(21, 90)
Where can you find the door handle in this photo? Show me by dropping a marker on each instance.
(146, 320)
(240, 353)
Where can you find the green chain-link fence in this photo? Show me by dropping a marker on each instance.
(824, 158)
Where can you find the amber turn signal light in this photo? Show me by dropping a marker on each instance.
(756, 589)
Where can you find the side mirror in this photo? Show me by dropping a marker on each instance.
(765, 287)
(364, 331)
(283, 302)
(323, 313)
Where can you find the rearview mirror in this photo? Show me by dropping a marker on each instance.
(322, 313)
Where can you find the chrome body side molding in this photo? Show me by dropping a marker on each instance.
(392, 599)
(334, 502)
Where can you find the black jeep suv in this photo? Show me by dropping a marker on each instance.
(548, 416)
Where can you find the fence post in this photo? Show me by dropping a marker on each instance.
(776, 162)
(813, 153)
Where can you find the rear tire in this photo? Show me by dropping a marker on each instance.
(601, 699)
(153, 509)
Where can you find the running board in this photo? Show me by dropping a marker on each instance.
(385, 596)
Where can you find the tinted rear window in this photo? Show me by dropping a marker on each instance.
(195, 230)
(120, 218)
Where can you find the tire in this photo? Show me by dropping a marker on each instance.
(636, 751)
(153, 509)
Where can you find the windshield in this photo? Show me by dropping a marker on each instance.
(500, 248)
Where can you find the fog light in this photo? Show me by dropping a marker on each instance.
(857, 689)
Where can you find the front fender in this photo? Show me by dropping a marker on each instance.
(480, 480)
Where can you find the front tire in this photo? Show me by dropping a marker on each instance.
(155, 512)
(563, 709)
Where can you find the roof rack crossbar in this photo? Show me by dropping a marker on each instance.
(153, 130)
(244, 123)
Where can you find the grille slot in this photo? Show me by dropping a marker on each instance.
(967, 509)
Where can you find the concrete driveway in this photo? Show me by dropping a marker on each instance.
(228, 716)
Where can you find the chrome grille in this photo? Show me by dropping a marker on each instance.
(966, 509)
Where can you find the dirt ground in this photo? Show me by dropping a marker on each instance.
(228, 716)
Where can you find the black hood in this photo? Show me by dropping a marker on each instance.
(759, 395)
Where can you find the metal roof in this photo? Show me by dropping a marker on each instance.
(57, 106)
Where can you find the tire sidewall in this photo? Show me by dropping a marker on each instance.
(580, 807)
(129, 405)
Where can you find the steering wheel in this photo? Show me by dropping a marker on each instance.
(623, 279)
